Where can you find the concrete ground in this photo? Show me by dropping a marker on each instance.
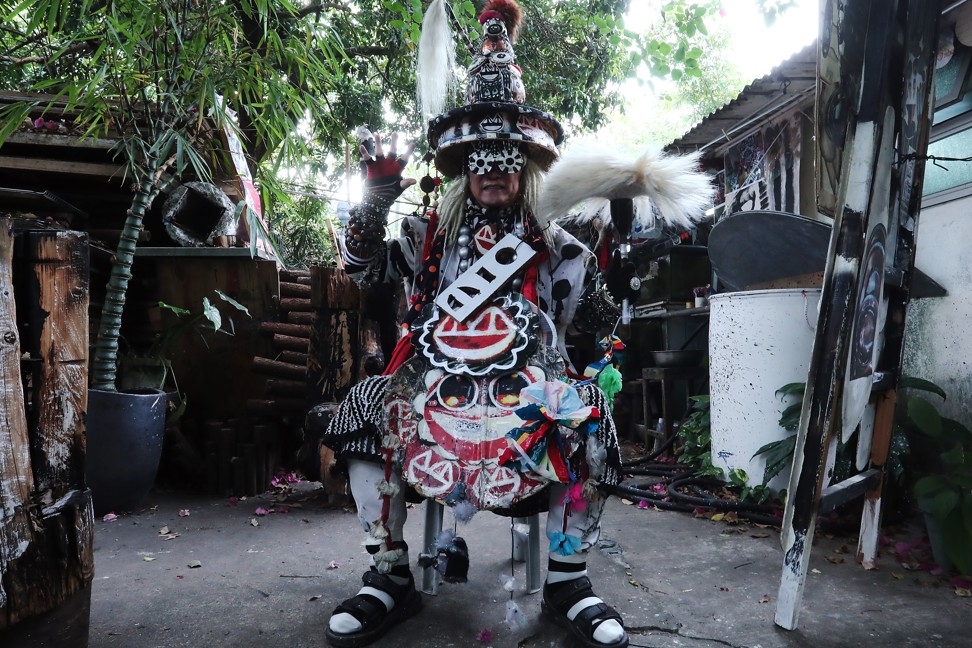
(224, 575)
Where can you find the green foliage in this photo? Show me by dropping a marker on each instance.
(695, 433)
(946, 494)
(759, 494)
(778, 454)
(205, 321)
(302, 230)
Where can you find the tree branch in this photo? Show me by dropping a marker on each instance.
(83, 46)
(318, 5)
(370, 50)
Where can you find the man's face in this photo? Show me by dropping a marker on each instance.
(494, 173)
(495, 189)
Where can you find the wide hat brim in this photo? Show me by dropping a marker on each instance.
(493, 120)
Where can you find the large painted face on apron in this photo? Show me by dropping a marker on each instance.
(452, 404)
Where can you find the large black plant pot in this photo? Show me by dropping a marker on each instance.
(124, 444)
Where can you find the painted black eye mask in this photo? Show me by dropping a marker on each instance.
(505, 157)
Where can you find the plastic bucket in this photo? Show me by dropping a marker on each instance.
(759, 341)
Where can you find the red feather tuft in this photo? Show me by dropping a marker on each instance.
(508, 11)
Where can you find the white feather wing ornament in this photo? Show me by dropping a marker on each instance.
(592, 174)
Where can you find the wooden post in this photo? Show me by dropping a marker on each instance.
(16, 478)
(334, 355)
(58, 322)
(46, 553)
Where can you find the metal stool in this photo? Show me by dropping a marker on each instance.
(434, 511)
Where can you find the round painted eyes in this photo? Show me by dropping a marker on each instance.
(505, 390)
(457, 393)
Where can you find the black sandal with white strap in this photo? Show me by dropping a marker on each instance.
(374, 617)
(559, 598)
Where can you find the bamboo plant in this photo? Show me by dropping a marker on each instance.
(155, 74)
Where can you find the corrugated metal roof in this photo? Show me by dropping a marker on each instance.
(788, 83)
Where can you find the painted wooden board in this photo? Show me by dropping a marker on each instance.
(915, 109)
(820, 417)
(865, 341)
(839, 63)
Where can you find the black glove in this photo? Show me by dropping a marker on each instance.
(623, 281)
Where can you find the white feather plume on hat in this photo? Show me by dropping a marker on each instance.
(593, 174)
(435, 70)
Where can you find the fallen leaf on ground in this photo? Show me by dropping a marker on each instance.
(314, 598)
(164, 530)
(764, 598)
(835, 560)
(170, 536)
(110, 517)
(195, 564)
(254, 522)
(759, 535)
(964, 593)
(718, 517)
(842, 549)
(148, 558)
(626, 501)
(815, 571)
(897, 576)
(183, 512)
(333, 564)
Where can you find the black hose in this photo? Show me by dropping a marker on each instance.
(655, 453)
(676, 477)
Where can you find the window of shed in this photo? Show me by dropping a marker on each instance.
(951, 135)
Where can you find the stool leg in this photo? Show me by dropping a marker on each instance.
(433, 526)
(533, 580)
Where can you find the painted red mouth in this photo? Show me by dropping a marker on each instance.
(484, 338)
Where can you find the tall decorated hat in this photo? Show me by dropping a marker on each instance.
(495, 108)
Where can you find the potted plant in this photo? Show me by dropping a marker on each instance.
(153, 367)
(945, 494)
(701, 294)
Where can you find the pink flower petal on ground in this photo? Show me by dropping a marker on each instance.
(902, 548)
(936, 571)
(484, 636)
(110, 517)
(261, 511)
(643, 504)
(283, 509)
(961, 582)
(183, 512)
(232, 501)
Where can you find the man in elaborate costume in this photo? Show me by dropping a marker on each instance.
(479, 406)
